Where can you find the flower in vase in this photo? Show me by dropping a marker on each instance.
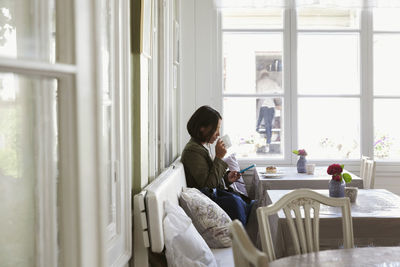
(337, 177)
(300, 152)
(336, 171)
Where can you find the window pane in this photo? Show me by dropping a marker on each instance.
(386, 59)
(110, 128)
(252, 63)
(329, 128)
(328, 18)
(386, 132)
(328, 64)
(25, 32)
(252, 18)
(28, 153)
(386, 19)
(255, 126)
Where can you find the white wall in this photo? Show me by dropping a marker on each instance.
(199, 61)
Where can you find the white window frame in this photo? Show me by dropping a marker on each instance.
(393, 164)
(81, 217)
(164, 88)
(119, 231)
(289, 108)
(83, 185)
(290, 91)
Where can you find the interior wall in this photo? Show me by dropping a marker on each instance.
(199, 61)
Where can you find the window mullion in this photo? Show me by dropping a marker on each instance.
(68, 165)
(251, 95)
(47, 249)
(31, 67)
(290, 59)
(366, 62)
(153, 100)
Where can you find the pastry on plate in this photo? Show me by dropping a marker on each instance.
(271, 169)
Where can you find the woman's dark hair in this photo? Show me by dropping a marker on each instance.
(204, 116)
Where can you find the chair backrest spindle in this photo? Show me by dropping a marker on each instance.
(362, 165)
(304, 233)
(369, 174)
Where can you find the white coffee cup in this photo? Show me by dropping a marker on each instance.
(227, 141)
(310, 168)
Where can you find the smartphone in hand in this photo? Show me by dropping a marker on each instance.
(248, 168)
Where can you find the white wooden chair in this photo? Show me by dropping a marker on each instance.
(304, 232)
(369, 174)
(245, 254)
(362, 165)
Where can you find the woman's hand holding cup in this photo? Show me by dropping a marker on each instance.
(220, 149)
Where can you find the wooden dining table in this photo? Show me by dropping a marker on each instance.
(375, 215)
(369, 256)
(289, 178)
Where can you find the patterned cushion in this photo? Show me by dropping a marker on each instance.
(210, 220)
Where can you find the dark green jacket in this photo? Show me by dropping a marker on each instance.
(200, 170)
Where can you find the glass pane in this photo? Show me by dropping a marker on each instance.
(387, 133)
(28, 153)
(386, 58)
(328, 63)
(386, 19)
(253, 63)
(255, 126)
(252, 18)
(328, 18)
(329, 128)
(109, 157)
(25, 32)
(106, 30)
(109, 124)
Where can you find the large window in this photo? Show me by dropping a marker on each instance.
(164, 87)
(253, 96)
(386, 85)
(29, 129)
(64, 133)
(328, 82)
(322, 79)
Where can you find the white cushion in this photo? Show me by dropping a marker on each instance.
(210, 220)
(233, 165)
(223, 256)
(183, 244)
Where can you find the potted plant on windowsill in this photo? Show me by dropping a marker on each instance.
(338, 181)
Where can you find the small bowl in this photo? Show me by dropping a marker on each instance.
(351, 192)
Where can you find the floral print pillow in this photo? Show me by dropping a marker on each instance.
(210, 220)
